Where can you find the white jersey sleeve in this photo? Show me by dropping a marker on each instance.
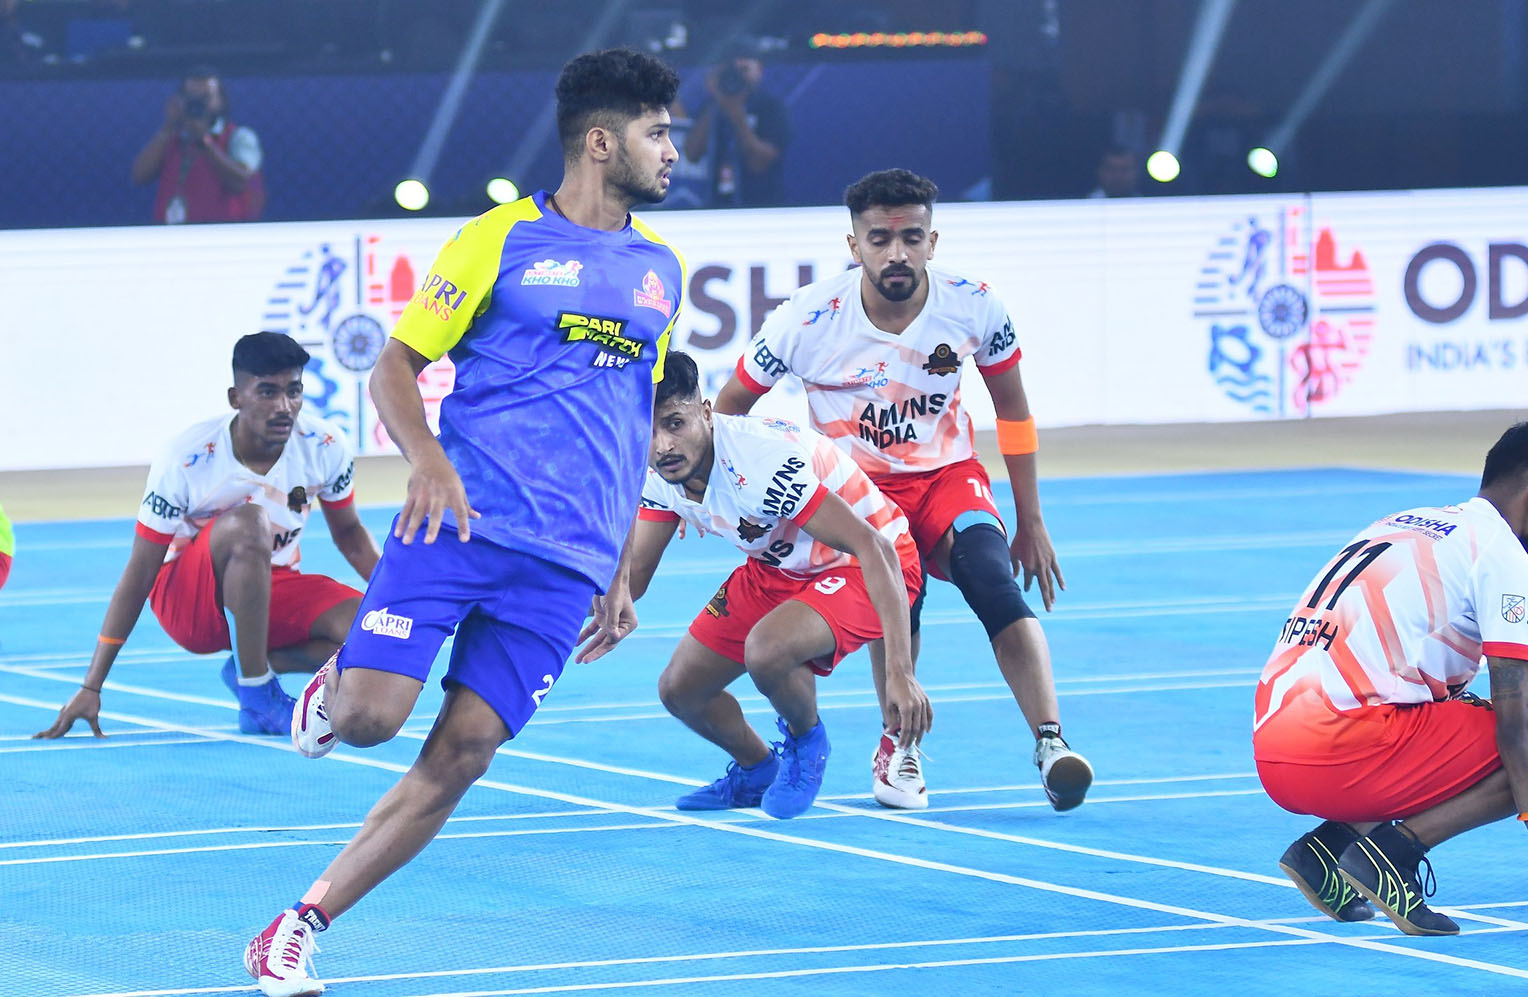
(999, 349)
(768, 357)
(657, 502)
(339, 471)
(1499, 589)
(166, 497)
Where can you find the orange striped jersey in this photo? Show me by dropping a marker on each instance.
(768, 477)
(1403, 614)
(892, 399)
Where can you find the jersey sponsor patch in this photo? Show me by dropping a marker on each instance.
(616, 350)
(651, 295)
(550, 273)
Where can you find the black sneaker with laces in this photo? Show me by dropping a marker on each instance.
(1311, 862)
(1382, 866)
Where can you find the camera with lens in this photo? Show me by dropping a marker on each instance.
(196, 107)
(730, 80)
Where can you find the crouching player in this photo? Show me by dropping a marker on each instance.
(831, 566)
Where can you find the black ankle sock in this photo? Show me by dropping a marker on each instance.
(313, 915)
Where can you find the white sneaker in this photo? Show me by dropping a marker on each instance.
(897, 779)
(280, 958)
(311, 732)
(1064, 773)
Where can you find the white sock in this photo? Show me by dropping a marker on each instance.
(259, 679)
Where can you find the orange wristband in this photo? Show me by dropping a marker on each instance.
(1523, 817)
(1016, 437)
(113, 641)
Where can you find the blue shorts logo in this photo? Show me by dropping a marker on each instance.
(1288, 322)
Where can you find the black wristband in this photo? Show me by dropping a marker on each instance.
(88, 689)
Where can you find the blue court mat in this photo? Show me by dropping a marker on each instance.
(141, 864)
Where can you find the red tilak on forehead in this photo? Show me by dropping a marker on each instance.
(896, 220)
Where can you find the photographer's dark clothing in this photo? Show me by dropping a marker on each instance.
(732, 185)
(189, 188)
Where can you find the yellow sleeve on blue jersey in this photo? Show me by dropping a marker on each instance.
(460, 285)
(684, 282)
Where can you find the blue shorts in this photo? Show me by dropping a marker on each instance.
(516, 619)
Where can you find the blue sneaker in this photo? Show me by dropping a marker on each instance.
(739, 789)
(802, 760)
(231, 677)
(265, 708)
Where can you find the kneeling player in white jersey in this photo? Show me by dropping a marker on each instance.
(879, 350)
(216, 549)
(1362, 714)
(831, 566)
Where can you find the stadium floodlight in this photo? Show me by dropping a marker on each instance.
(1263, 162)
(411, 194)
(1321, 80)
(1162, 166)
(502, 191)
(451, 98)
(1202, 46)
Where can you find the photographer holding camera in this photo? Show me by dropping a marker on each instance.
(741, 133)
(207, 166)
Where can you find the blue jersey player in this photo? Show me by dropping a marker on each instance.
(556, 310)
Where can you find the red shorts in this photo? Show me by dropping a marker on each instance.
(838, 595)
(932, 499)
(185, 599)
(1423, 755)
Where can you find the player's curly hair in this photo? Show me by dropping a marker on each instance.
(890, 189)
(607, 89)
(681, 378)
(1508, 459)
(265, 353)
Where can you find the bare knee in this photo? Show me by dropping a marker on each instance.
(363, 724)
(243, 532)
(459, 760)
(766, 652)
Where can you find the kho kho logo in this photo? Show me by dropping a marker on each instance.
(1287, 328)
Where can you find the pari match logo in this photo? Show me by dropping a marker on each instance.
(339, 300)
(1289, 323)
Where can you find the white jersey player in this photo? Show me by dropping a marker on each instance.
(216, 545)
(1362, 715)
(830, 567)
(880, 350)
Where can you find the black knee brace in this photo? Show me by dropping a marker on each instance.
(916, 612)
(980, 568)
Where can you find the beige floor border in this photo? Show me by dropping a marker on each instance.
(1454, 442)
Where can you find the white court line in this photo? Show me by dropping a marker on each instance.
(1153, 781)
(842, 849)
(96, 743)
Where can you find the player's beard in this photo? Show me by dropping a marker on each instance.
(635, 188)
(902, 293)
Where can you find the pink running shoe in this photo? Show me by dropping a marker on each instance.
(897, 776)
(311, 733)
(280, 958)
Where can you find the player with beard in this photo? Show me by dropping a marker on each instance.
(216, 546)
(879, 350)
(557, 310)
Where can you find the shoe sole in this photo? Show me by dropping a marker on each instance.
(298, 715)
(897, 799)
(1315, 897)
(1400, 921)
(1068, 783)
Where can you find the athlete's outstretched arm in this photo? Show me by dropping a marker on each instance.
(121, 616)
(1509, 698)
(613, 614)
(352, 538)
(837, 525)
(736, 398)
(434, 485)
(1031, 548)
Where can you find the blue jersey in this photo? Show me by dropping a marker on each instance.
(558, 333)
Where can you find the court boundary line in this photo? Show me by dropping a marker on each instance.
(874, 854)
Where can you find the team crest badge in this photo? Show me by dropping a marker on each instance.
(1512, 609)
(298, 497)
(652, 296)
(750, 531)
(943, 360)
(717, 607)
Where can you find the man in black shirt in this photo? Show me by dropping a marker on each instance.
(741, 133)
